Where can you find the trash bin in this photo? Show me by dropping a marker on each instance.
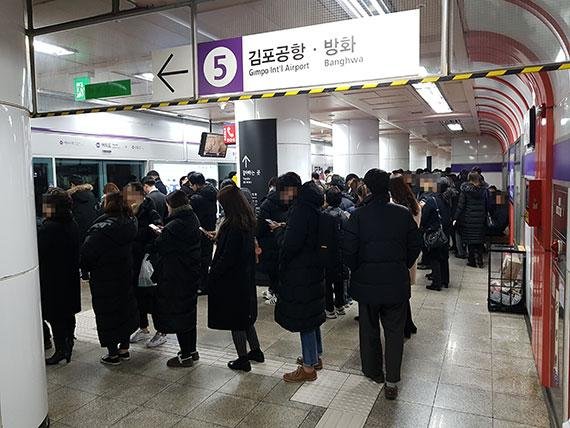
(507, 276)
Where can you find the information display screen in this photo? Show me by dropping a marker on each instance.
(212, 146)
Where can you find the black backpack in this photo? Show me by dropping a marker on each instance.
(328, 239)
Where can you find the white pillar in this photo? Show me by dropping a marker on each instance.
(293, 129)
(418, 150)
(355, 146)
(23, 396)
(395, 151)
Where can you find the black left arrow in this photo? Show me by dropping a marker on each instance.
(162, 73)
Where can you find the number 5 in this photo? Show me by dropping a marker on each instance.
(218, 65)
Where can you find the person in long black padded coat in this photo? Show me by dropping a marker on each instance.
(176, 260)
(107, 255)
(58, 250)
(301, 294)
(232, 301)
(146, 213)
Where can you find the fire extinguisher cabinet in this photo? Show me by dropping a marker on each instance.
(507, 276)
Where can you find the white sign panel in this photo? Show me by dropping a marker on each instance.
(173, 74)
(355, 50)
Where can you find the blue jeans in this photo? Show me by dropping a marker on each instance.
(312, 346)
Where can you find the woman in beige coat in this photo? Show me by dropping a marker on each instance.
(402, 195)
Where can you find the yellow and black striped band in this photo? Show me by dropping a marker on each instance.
(317, 90)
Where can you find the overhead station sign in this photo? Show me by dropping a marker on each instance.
(173, 73)
(355, 50)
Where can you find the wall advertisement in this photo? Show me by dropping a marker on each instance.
(355, 50)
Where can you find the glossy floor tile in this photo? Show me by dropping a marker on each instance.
(465, 367)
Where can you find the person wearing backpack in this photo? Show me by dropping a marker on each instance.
(335, 271)
(381, 243)
(300, 305)
(436, 214)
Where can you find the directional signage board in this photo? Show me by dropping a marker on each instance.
(355, 50)
(173, 74)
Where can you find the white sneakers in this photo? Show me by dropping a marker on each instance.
(143, 335)
(140, 335)
(271, 299)
(331, 315)
(157, 340)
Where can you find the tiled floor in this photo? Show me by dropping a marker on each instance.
(464, 368)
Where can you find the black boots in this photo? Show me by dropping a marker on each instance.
(256, 355)
(63, 349)
(242, 363)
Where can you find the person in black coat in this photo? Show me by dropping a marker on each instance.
(176, 262)
(107, 255)
(146, 214)
(204, 204)
(84, 206)
(232, 298)
(300, 304)
(158, 182)
(436, 213)
(381, 244)
(471, 217)
(151, 192)
(58, 250)
(499, 212)
(271, 221)
(335, 270)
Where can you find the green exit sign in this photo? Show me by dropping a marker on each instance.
(118, 88)
(79, 84)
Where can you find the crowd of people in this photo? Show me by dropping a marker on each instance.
(321, 244)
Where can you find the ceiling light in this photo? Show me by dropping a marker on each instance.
(455, 127)
(432, 95)
(320, 124)
(561, 57)
(49, 49)
(149, 77)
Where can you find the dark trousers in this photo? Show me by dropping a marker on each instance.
(393, 318)
(242, 338)
(439, 263)
(475, 253)
(123, 345)
(187, 342)
(273, 281)
(334, 290)
(63, 329)
(143, 320)
(410, 326)
(206, 261)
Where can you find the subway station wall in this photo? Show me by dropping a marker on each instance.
(483, 151)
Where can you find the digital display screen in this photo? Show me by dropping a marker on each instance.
(212, 146)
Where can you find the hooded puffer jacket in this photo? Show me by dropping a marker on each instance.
(85, 207)
(301, 292)
(107, 255)
(471, 213)
(271, 208)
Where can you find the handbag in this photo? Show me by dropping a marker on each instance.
(490, 222)
(437, 238)
(145, 276)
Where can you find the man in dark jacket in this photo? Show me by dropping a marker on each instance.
(158, 182)
(301, 294)
(151, 192)
(381, 243)
(205, 205)
(271, 222)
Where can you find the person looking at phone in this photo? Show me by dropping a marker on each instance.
(146, 214)
(271, 222)
(204, 204)
(176, 260)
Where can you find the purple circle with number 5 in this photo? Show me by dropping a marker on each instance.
(220, 69)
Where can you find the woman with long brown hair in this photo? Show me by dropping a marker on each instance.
(402, 195)
(232, 299)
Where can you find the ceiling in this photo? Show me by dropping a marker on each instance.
(485, 34)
